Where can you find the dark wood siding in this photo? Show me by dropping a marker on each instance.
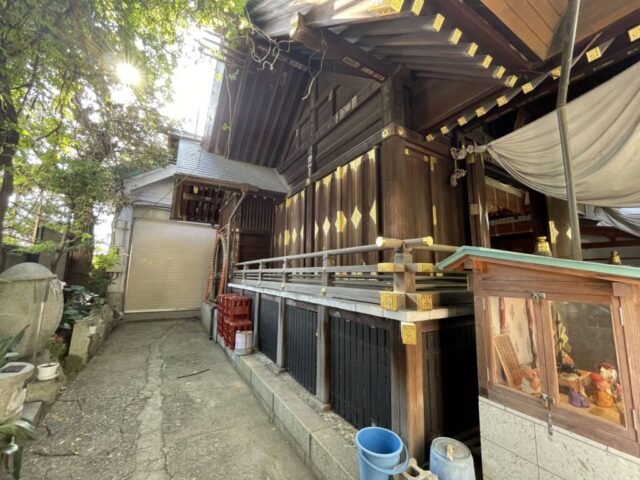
(268, 327)
(339, 113)
(450, 378)
(300, 344)
(339, 210)
(360, 372)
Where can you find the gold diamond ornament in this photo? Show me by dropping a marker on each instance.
(356, 217)
(326, 226)
(341, 221)
(373, 212)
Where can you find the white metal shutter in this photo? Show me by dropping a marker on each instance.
(168, 266)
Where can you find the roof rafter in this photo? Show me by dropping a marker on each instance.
(337, 48)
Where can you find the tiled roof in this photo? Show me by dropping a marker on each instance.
(194, 161)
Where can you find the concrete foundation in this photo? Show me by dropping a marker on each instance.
(206, 312)
(324, 450)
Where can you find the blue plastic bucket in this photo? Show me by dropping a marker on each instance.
(458, 467)
(380, 450)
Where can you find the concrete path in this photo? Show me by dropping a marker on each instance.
(128, 415)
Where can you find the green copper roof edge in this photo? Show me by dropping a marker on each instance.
(527, 258)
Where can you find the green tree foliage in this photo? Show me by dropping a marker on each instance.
(66, 142)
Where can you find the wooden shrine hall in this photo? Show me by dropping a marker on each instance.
(345, 113)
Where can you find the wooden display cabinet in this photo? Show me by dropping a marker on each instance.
(559, 340)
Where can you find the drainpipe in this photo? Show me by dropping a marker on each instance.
(568, 41)
(245, 189)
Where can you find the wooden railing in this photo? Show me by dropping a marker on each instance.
(398, 285)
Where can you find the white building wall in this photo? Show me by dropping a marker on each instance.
(149, 200)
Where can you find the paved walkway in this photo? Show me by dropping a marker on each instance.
(128, 415)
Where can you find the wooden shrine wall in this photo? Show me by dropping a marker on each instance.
(252, 226)
(417, 198)
(339, 210)
(395, 190)
(339, 113)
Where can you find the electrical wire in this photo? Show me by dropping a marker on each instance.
(315, 76)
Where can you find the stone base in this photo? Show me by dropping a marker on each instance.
(33, 412)
(323, 449)
(45, 391)
(88, 335)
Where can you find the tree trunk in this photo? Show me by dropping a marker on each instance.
(9, 137)
(80, 258)
(60, 249)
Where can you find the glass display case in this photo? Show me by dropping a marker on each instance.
(558, 340)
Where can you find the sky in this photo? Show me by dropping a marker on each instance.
(192, 82)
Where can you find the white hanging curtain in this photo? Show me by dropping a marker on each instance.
(625, 219)
(604, 133)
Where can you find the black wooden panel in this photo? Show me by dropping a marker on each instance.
(252, 295)
(450, 379)
(268, 328)
(300, 344)
(360, 372)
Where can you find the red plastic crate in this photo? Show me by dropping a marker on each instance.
(236, 305)
(232, 328)
(228, 322)
(234, 314)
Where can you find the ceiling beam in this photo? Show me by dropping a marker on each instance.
(609, 244)
(459, 75)
(337, 48)
(395, 26)
(466, 63)
(441, 53)
(478, 29)
(426, 39)
(338, 12)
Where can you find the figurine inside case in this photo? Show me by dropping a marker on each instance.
(586, 360)
(588, 379)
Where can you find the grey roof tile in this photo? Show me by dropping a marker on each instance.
(194, 161)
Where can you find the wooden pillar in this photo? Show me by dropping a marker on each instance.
(256, 309)
(280, 355)
(322, 356)
(482, 334)
(322, 339)
(256, 320)
(393, 101)
(407, 391)
(478, 213)
(559, 228)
